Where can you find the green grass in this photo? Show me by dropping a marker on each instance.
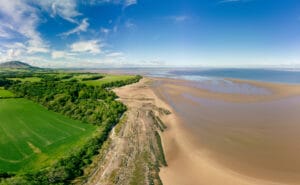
(161, 155)
(27, 79)
(5, 93)
(12, 70)
(31, 137)
(107, 79)
(81, 76)
(138, 175)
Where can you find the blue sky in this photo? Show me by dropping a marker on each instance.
(124, 33)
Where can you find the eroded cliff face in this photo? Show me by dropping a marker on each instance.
(134, 152)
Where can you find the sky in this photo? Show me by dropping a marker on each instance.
(150, 33)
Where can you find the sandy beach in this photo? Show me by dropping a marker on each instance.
(227, 139)
(212, 137)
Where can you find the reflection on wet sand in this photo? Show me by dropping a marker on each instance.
(255, 134)
(229, 87)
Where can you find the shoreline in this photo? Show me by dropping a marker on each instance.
(187, 163)
(277, 90)
(190, 160)
(133, 153)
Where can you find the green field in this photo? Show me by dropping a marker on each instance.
(5, 93)
(81, 76)
(27, 79)
(107, 79)
(32, 137)
(3, 70)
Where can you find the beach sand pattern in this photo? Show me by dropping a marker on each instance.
(231, 138)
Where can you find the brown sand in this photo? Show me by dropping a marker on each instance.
(230, 139)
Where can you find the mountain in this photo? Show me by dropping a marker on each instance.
(16, 65)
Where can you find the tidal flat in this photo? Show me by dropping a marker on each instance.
(250, 138)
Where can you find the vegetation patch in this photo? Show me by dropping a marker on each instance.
(161, 123)
(45, 146)
(5, 93)
(163, 111)
(120, 124)
(26, 79)
(157, 121)
(113, 80)
(96, 77)
(138, 176)
(33, 137)
(161, 155)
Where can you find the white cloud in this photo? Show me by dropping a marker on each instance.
(11, 54)
(15, 45)
(130, 2)
(66, 9)
(90, 46)
(62, 54)
(115, 54)
(178, 18)
(125, 3)
(105, 30)
(82, 27)
(129, 24)
(21, 40)
(20, 19)
(34, 49)
(3, 33)
(58, 54)
(14, 53)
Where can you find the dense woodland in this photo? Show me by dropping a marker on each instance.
(120, 83)
(90, 104)
(93, 78)
(4, 82)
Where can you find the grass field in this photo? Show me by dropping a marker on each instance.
(107, 79)
(81, 76)
(27, 79)
(31, 137)
(5, 93)
(12, 70)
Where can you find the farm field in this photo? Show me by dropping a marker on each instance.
(32, 137)
(81, 76)
(5, 93)
(27, 79)
(108, 79)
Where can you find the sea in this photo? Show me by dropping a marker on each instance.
(291, 76)
(275, 75)
(217, 79)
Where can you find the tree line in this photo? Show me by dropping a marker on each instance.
(4, 82)
(119, 83)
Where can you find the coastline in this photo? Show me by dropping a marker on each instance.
(133, 152)
(190, 160)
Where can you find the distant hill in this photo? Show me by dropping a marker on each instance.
(16, 65)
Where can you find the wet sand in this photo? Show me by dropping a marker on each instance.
(230, 138)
